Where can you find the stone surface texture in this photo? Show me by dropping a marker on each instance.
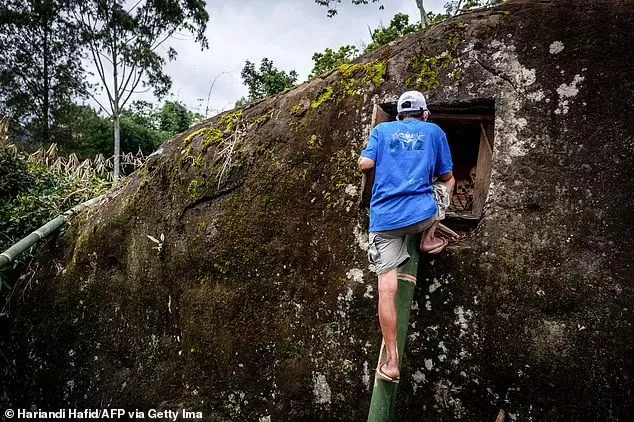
(258, 303)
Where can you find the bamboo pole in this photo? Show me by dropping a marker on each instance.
(10, 254)
(383, 404)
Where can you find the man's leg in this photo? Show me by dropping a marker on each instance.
(388, 284)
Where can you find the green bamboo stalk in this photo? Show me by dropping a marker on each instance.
(383, 404)
(10, 254)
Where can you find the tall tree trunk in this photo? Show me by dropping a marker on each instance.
(115, 114)
(117, 146)
(423, 14)
(46, 84)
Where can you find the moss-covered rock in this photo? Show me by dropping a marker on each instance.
(257, 299)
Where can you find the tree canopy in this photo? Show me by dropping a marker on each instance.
(330, 59)
(268, 80)
(40, 67)
(332, 4)
(398, 28)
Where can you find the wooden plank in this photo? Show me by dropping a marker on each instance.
(483, 173)
(488, 136)
(378, 116)
(366, 188)
(464, 216)
(470, 117)
(501, 416)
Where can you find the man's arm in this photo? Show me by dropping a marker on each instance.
(446, 177)
(365, 164)
(368, 155)
(448, 180)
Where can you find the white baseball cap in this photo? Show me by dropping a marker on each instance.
(411, 101)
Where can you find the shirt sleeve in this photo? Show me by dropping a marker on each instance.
(444, 163)
(370, 151)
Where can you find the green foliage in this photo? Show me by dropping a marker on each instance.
(88, 134)
(31, 195)
(332, 5)
(398, 28)
(458, 7)
(40, 67)
(266, 81)
(174, 117)
(85, 132)
(194, 118)
(330, 59)
(127, 36)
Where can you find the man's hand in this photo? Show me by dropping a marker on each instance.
(365, 164)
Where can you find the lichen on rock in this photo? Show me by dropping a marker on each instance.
(260, 302)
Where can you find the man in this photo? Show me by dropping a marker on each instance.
(408, 155)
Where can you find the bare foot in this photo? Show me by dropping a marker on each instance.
(390, 371)
(431, 244)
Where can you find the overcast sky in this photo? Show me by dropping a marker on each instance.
(286, 31)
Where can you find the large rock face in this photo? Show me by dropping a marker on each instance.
(259, 301)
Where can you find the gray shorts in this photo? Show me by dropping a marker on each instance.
(388, 250)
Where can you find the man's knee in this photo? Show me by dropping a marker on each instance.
(388, 282)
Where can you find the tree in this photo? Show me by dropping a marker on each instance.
(87, 134)
(40, 68)
(452, 8)
(194, 117)
(398, 28)
(267, 81)
(123, 43)
(423, 14)
(174, 117)
(332, 5)
(330, 59)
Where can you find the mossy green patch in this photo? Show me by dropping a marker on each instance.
(192, 189)
(262, 119)
(297, 110)
(193, 135)
(429, 70)
(314, 142)
(370, 73)
(353, 78)
(326, 96)
(230, 121)
(213, 136)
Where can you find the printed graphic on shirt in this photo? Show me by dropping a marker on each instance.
(405, 141)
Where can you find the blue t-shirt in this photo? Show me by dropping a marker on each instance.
(408, 154)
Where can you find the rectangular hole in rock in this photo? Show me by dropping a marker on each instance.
(469, 129)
